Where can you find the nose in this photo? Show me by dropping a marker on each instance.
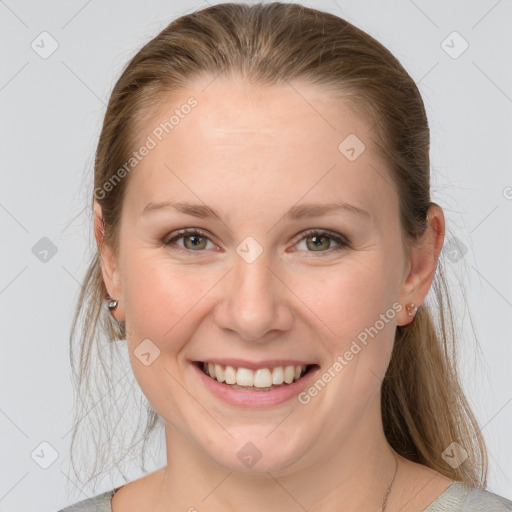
(255, 304)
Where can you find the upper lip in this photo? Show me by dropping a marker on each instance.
(254, 365)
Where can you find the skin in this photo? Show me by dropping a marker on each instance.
(251, 153)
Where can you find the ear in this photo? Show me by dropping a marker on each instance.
(422, 263)
(109, 265)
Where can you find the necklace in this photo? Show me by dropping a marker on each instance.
(385, 499)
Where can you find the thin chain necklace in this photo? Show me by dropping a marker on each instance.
(385, 499)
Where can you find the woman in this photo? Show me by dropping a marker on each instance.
(266, 243)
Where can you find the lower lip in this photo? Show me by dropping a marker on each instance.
(241, 398)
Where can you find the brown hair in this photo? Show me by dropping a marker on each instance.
(423, 407)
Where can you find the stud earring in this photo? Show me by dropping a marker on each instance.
(411, 309)
(112, 304)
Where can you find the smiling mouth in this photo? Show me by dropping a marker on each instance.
(262, 379)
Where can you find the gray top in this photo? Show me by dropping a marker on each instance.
(458, 497)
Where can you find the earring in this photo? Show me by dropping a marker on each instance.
(112, 304)
(411, 309)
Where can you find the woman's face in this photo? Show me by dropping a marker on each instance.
(253, 288)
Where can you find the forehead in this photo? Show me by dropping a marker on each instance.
(256, 143)
(233, 111)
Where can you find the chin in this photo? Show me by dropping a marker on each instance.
(257, 452)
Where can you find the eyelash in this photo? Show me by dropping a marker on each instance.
(341, 240)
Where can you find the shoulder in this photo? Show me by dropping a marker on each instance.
(460, 497)
(100, 503)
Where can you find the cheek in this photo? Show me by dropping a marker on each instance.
(162, 304)
(356, 310)
(345, 299)
(159, 297)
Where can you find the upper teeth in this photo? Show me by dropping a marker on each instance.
(260, 378)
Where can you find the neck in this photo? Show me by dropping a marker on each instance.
(353, 474)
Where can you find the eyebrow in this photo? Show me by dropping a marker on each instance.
(296, 212)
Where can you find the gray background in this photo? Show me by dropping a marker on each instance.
(51, 113)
